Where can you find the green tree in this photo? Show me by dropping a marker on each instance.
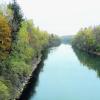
(88, 39)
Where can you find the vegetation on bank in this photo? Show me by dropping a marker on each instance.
(54, 40)
(88, 39)
(21, 43)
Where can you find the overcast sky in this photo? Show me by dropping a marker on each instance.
(62, 17)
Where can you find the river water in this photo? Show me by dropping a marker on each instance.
(66, 74)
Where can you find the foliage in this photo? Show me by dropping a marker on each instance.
(16, 19)
(5, 34)
(88, 39)
(4, 91)
(54, 40)
(25, 43)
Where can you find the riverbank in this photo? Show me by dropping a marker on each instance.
(35, 63)
(76, 73)
(88, 40)
(87, 51)
(24, 43)
(32, 82)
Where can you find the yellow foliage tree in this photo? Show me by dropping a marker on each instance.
(5, 34)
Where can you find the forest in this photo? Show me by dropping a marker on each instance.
(21, 44)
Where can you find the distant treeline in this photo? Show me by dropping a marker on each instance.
(67, 39)
(88, 39)
(21, 43)
(54, 40)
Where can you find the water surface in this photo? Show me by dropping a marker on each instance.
(68, 74)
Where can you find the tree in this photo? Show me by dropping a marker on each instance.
(5, 34)
(17, 18)
(4, 91)
(88, 39)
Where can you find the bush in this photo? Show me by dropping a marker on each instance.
(4, 91)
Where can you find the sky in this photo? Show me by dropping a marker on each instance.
(62, 17)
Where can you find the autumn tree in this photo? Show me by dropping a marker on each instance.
(5, 34)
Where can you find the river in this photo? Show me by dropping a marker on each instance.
(65, 74)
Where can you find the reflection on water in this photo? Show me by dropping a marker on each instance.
(64, 77)
(91, 61)
(30, 89)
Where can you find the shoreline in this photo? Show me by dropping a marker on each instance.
(24, 84)
(90, 52)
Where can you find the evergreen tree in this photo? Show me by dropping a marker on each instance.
(17, 18)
